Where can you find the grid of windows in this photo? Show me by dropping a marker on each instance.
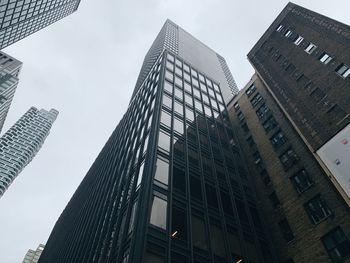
(19, 19)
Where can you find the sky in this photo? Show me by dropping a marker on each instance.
(86, 66)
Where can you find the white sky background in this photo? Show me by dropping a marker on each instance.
(86, 66)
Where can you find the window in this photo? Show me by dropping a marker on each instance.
(269, 124)
(198, 233)
(262, 111)
(240, 116)
(245, 127)
(159, 212)
(167, 101)
(250, 90)
(257, 157)
(288, 158)
(288, 33)
(178, 126)
(325, 58)
(301, 181)
(217, 240)
(195, 187)
(236, 106)
(179, 224)
(343, 70)
(337, 245)
(250, 141)
(286, 230)
(317, 209)
(298, 40)
(211, 196)
(165, 118)
(179, 179)
(164, 141)
(310, 48)
(274, 199)
(279, 28)
(256, 99)
(162, 171)
(278, 139)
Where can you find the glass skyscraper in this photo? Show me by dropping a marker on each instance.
(170, 185)
(9, 70)
(21, 142)
(20, 18)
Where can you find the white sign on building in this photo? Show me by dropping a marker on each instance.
(336, 156)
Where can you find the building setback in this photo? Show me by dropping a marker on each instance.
(33, 256)
(170, 185)
(21, 142)
(303, 60)
(19, 19)
(9, 71)
(304, 211)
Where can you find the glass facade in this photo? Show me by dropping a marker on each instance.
(170, 185)
(9, 71)
(19, 19)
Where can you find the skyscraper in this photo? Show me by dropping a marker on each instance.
(21, 142)
(19, 19)
(175, 39)
(9, 70)
(32, 256)
(170, 185)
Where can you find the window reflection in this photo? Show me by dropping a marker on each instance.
(168, 87)
(198, 233)
(167, 101)
(178, 126)
(164, 141)
(162, 171)
(165, 118)
(189, 114)
(159, 212)
(178, 107)
(188, 99)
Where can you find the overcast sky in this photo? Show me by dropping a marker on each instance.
(86, 66)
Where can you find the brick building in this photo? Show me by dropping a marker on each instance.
(301, 205)
(304, 61)
(295, 103)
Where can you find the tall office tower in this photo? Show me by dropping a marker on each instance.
(170, 185)
(308, 219)
(9, 71)
(19, 19)
(175, 39)
(303, 60)
(21, 142)
(33, 256)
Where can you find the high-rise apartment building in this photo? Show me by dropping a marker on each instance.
(21, 142)
(19, 19)
(33, 256)
(170, 185)
(303, 60)
(296, 102)
(9, 71)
